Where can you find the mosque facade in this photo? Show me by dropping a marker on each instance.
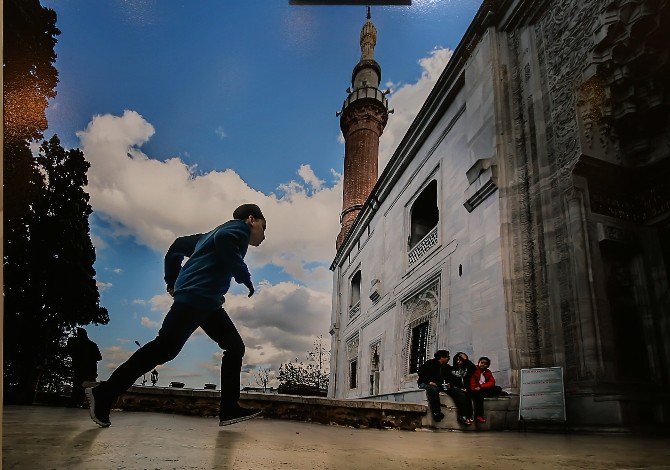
(525, 215)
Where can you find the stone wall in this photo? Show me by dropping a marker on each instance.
(358, 413)
(502, 412)
(584, 212)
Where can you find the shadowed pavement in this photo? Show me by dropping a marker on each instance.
(45, 437)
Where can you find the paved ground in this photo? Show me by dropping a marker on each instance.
(62, 438)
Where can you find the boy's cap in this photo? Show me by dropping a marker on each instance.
(245, 210)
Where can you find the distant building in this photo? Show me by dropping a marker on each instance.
(525, 215)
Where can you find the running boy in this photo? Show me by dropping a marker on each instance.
(198, 289)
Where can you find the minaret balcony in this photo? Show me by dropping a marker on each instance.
(366, 93)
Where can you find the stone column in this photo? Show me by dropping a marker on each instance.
(585, 320)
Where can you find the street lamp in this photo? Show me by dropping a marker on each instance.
(144, 376)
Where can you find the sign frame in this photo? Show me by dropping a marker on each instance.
(538, 383)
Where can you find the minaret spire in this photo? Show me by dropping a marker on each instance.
(368, 39)
(362, 120)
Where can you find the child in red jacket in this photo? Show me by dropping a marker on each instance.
(482, 385)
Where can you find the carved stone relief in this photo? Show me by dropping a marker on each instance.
(631, 58)
(420, 308)
(352, 348)
(557, 47)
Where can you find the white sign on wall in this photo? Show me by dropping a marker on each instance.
(542, 396)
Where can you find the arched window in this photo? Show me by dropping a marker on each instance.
(355, 289)
(424, 214)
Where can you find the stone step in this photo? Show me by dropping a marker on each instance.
(501, 414)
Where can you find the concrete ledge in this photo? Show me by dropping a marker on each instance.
(355, 413)
(501, 414)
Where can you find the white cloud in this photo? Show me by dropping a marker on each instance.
(183, 375)
(34, 147)
(103, 286)
(98, 242)
(220, 132)
(114, 356)
(406, 100)
(139, 302)
(161, 303)
(117, 271)
(308, 176)
(279, 322)
(156, 201)
(149, 323)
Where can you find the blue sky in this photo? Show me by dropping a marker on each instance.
(187, 109)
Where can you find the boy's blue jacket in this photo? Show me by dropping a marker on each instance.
(214, 258)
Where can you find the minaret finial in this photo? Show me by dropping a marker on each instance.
(368, 38)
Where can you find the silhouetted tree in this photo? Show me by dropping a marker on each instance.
(319, 356)
(48, 256)
(29, 37)
(263, 377)
(63, 253)
(61, 276)
(309, 377)
(29, 74)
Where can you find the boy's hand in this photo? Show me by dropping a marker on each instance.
(250, 286)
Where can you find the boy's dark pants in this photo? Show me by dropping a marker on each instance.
(179, 323)
(479, 395)
(463, 403)
(433, 396)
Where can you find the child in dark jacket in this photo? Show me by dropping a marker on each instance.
(482, 385)
(430, 377)
(461, 371)
(453, 386)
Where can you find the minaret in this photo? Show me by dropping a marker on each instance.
(362, 120)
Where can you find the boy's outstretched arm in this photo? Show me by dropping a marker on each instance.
(231, 246)
(181, 248)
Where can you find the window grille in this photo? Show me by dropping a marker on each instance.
(423, 246)
(419, 346)
(424, 214)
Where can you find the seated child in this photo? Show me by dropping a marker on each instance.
(430, 377)
(457, 385)
(482, 385)
(462, 371)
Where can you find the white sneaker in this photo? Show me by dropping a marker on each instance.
(241, 414)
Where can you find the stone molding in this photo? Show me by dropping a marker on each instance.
(483, 179)
(352, 348)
